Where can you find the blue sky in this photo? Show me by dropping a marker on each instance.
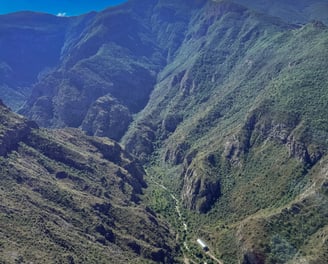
(63, 7)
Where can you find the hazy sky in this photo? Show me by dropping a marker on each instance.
(56, 7)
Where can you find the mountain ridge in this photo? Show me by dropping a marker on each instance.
(70, 198)
(226, 107)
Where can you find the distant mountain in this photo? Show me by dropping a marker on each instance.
(69, 198)
(293, 11)
(225, 103)
(30, 46)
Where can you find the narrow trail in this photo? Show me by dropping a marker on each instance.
(213, 257)
(186, 259)
(177, 209)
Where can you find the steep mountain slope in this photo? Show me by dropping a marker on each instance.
(112, 61)
(229, 114)
(236, 83)
(30, 45)
(115, 60)
(293, 11)
(236, 125)
(293, 232)
(69, 198)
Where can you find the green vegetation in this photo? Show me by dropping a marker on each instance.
(226, 108)
(250, 96)
(69, 198)
(301, 12)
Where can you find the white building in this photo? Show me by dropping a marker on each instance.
(202, 244)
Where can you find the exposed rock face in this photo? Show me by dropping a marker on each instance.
(143, 142)
(200, 189)
(175, 154)
(12, 136)
(298, 150)
(253, 258)
(13, 129)
(107, 118)
(261, 127)
(170, 122)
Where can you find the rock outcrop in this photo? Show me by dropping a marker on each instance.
(200, 191)
(13, 129)
(107, 118)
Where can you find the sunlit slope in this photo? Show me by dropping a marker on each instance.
(69, 198)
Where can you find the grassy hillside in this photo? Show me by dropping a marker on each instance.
(69, 198)
(235, 126)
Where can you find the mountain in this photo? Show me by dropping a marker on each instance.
(30, 46)
(224, 103)
(69, 198)
(293, 11)
(239, 119)
(237, 83)
(105, 63)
